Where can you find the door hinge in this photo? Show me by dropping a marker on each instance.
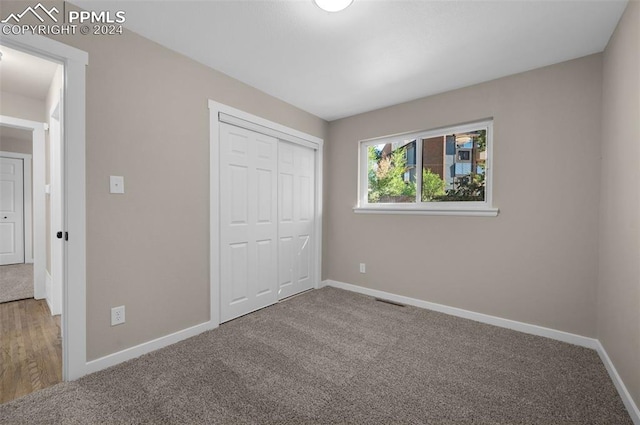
(59, 235)
(66, 235)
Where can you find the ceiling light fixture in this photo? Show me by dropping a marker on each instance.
(333, 5)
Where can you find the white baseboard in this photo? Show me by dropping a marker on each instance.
(48, 283)
(631, 406)
(146, 347)
(580, 340)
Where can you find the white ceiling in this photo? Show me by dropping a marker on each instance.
(24, 74)
(374, 53)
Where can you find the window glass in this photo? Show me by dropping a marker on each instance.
(427, 169)
(463, 155)
(391, 172)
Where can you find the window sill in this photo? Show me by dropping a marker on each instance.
(453, 211)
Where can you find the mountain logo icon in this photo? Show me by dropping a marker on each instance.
(34, 11)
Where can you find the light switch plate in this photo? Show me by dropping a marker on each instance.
(116, 184)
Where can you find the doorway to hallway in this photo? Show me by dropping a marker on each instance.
(31, 194)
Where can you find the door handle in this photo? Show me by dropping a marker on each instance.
(59, 235)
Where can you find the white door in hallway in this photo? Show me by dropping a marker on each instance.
(248, 221)
(296, 223)
(11, 211)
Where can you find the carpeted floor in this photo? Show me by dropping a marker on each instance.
(16, 282)
(331, 356)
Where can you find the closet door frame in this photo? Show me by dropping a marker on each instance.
(218, 113)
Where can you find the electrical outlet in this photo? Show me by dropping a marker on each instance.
(117, 315)
(363, 268)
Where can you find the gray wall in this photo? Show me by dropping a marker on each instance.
(11, 144)
(537, 261)
(148, 120)
(18, 106)
(619, 278)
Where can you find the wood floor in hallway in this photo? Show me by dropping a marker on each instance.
(31, 348)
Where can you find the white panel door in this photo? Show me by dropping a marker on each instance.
(248, 221)
(11, 211)
(296, 223)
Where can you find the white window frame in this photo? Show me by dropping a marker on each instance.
(466, 208)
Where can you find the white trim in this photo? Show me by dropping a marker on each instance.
(254, 119)
(54, 306)
(570, 338)
(44, 47)
(146, 347)
(74, 343)
(258, 128)
(216, 111)
(28, 217)
(319, 214)
(557, 335)
(48, 284)
(214, 216)
(632, 407)
(56, 205)
(38, 227)
(468, 212)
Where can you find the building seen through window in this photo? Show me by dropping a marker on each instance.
(453, 169)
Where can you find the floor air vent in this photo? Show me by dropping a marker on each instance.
(382, 300)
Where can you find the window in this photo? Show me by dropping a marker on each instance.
(443, 171)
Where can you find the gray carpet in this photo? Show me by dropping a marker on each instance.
(333, 357)
(16, 282)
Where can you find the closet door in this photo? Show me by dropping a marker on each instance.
(248, 221)
(296, 224)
